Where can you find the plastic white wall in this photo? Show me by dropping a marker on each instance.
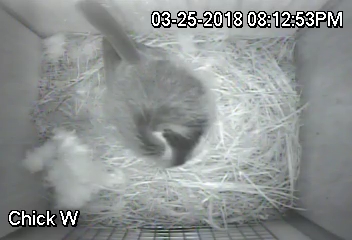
(324, 69)
(20, 59)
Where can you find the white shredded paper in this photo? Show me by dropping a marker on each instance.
(246, 170)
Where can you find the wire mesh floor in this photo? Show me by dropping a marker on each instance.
(246, 232)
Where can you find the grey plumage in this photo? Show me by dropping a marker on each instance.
(149, 94)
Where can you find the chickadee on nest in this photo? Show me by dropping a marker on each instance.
(160, 109)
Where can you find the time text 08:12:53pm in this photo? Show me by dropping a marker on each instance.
(252, 19)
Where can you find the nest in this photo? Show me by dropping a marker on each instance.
(246, 170)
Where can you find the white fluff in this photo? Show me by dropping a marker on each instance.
(88, 49)
(70, 170)
(36, 159)
(54, 46)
